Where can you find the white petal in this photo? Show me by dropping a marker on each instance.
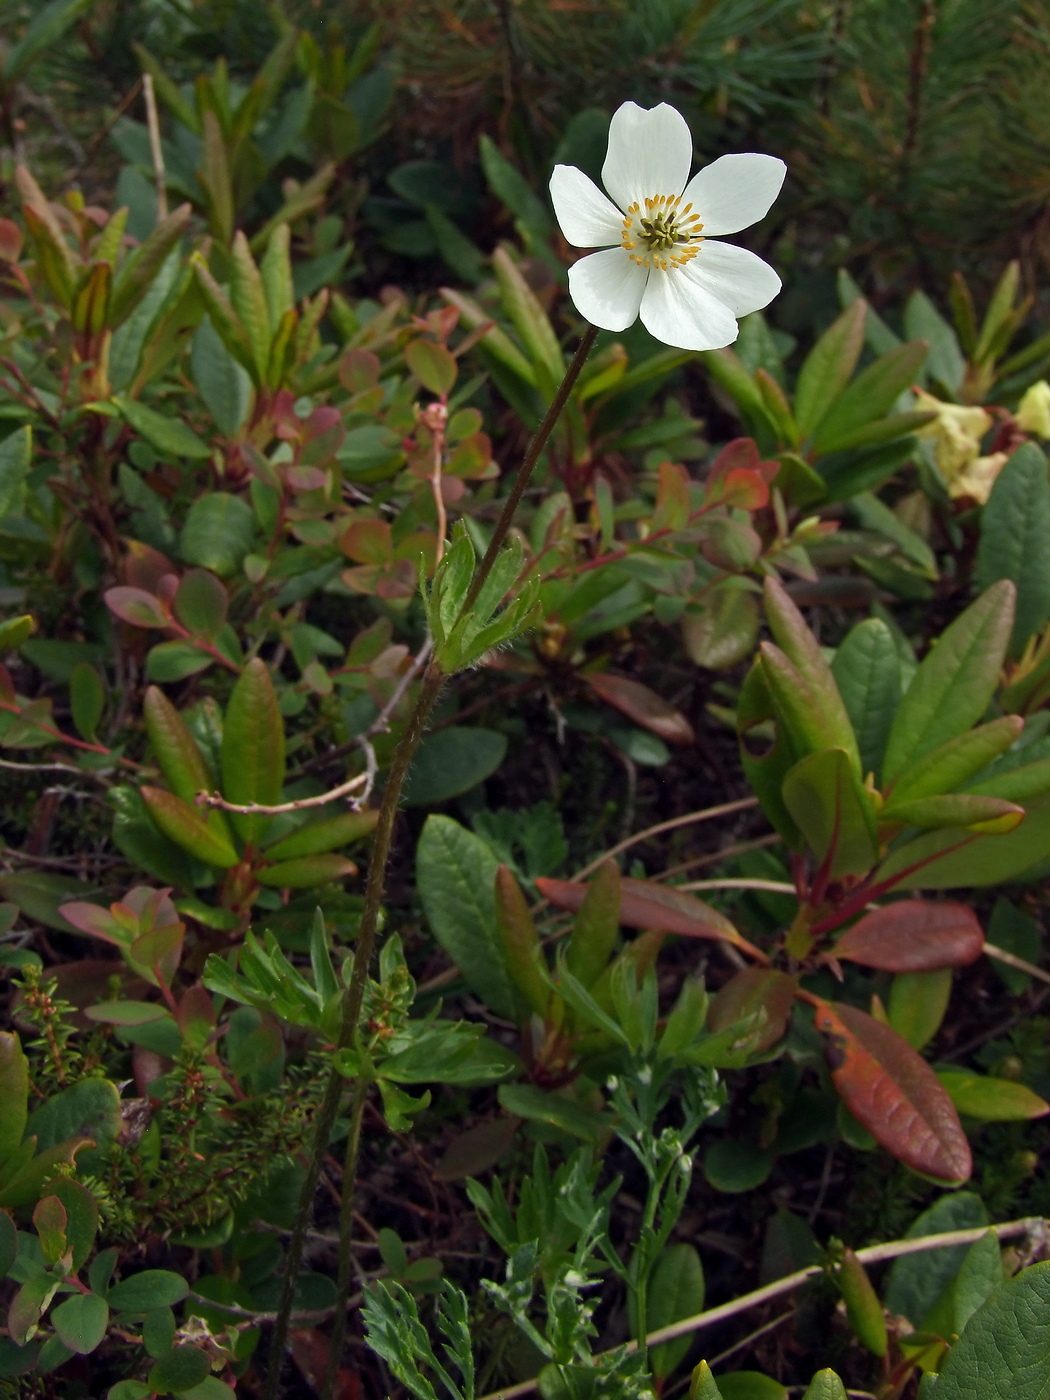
(734, 275)
(587, 218)
(680, 312)
(734, 192)
(607, 288)
(650, 153)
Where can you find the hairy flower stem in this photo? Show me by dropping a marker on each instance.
(433, 680)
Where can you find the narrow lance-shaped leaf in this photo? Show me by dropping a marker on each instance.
(956, 680)
(593, 938)
(867, 671)
(253, 747)
(894, 1093)
(827, 368)
(141, 269)
(1015, 539)
(182, 824)
(950, 765)
(520, 942)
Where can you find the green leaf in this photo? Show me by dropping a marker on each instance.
(276, 273)
(14, 1095)
(81, 1217)
(87, 698)
(950, 765)
(158, 1332)
(8, 1242)
(189, 828)
(456, 874)
(222, 382)
(305, 873)
(750, 1385)
(174, 661)
(980, 1276)
(596, 927)
(870, 397)
(825, 1385)
(831, 720)
(867, 671)
(253, 747)
(88, 1109)
(558, 1110)
(218, 533)
(874, 515)
(174, 747)
(16, 453)
(917, 1003)
(149, 1289)
(317, 838)
(736, 1166)
(451, 761)
(827, 368)
(834, 813)
(44, 30)
(180, 1370)
(991, 1100)
(945, 361)
(168, 435)
(1015, 539)
(703, 1386)
(248, 299)
(943, 860)
(143, 271)
(1004, 1354)
(515, 191)
(200, 603)
(530, 321)
(520, 943)
(81, 1322)
(433, 365)
(916, 1281)
(955, 681)
(676, 1290)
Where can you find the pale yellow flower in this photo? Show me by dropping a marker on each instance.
(978, 478)
(956, 435)
(1033, 413)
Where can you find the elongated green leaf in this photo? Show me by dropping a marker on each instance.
(45, 29)
(253, 748)
(305, 872)
(223, 383)
(832, 810)
(168, 435)
(139, 273)
(496, 341)
(870, 397)
(14, 1095)
(825, 1385)
(1015, 539)
(802, 649)
(16, 453)
(516, 192)
(175, 748)
(945, 361)
(676, 1290)
(991, 1100)
(1004, 1354)
(317, 838)
(248, 299)
(728, 370)
(218, 532)
(955, 809)
(596, 926)
(520, 943)
(529, 320)
(867, 672)
(184, 825)
(949, 766)
(827, 368)
(874, 515)
(916, 1006)
(276, 273)
(456, 874)
(954, 683)
(946, 860)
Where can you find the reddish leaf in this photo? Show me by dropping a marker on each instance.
(136, 606)
(672, 498)
(10, 241)
(913, 935)
(647, 906)
(359, 371)
(749, 990)
(642, 705)
(367, 542)
(200, 602)
(894, 1093)
(310, 1349)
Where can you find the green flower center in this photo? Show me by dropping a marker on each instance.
(663, 235)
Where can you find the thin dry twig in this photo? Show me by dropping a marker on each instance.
(263, 809)
(724, 809)
(156, 150)
(1012, 960)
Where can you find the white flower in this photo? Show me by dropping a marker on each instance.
(660, 259)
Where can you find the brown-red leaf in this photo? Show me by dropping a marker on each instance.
(893, 1092)
(647, 906)
(643, 706)
(750, 989)
(913, 935)
(136, 606)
